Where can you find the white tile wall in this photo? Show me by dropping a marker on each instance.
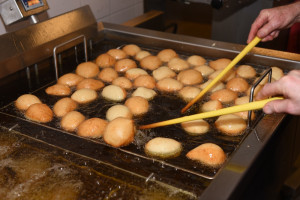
(114, 11)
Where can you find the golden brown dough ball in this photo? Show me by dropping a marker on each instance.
(137, 105)
(229, 75)
(196, 127)
(84, 95)
(190, 77)
(58, 90)
(219, 63)
(166, 55)
(196, 60)
(63, 106)
(146, 81)
(71, 120)
(90, 84)
(163, 148)
(132, 74)
(131, 49)
(93, 128)
(117, 53)
(169, 85)
(144, 92)
(224, 95)
(277, 73)
(257, 89)
(108, 75)
(118, 111)
(124, 65)
(150, 62)
(39, 112)
(188, 93)
(142, 54)
(205, 70)
(178, 64)
(87, 69)
(105, 60)
(240, 101)
(114, 93)
(237, 84)
(208, 154)
(211, 105)
(26, 100)
(231, 125)
(70, 79)
(163, 72)
(119, 132)
(217, 86)
(246, 71)
(123, 82)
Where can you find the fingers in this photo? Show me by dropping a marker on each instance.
(277, 106)
(257, 24)
(271, 36)
(270, 89)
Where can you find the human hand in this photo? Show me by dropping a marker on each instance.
(288, 87)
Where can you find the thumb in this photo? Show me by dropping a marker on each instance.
(277, 106)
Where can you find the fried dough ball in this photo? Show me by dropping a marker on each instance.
(117, 53)
(190, 77)
(63, 106)
(114, 93)
(237, 84)
(105, 60)
(90, 84)
(144, 92)
(231, 125)
(224, 95)
(71, 120)
(246, 71)
(166, 55)
(257, 89)
(211, 105)
(196, 60)
(58, 90)
(123, 82)
(178, 64)
(93, 128)
(26, 100)
(277, 73)
(137, 105)
(142, 54)
(204, 70)
(131, 49)
(84, 95)
(217, 86)
(188, 93)
(219, 63)
(208, 154)
(196, 127)
(119, 132)
(87, 69)
(163, 72)
(108, 75)
(240, 101)
(118, 111)
(39, 112)
(70, 79)
(150, 62)
(132, 74)
(169, 85)
(125, 64)
(229, 75)
(163, 148)
(146, 81)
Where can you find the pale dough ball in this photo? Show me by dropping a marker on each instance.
(196, 60)
(217, 86)
(142, 54)
(131, 49)
(229, 75)
(123, 82)
(224, 95)
(204, 70)
(208, 154)
(211, 105)
(146, 81)
(118, 111)
(231, 125)
(277, 73)
(58, 90)
(70, 79)
(137, 105)
(163, 148)
(178, 64)
(240, 101)
(166, 55)
(108, 75)
(190, 77)
(26, 100)
(219, 63)
(90, 84)
(117, 53)
(105, 60)
(196, 127)
(87, 69)
(114, 93)
(150, 62)
(237, 84)
(39, 112)
(169, 85)
(188, 93)
(71, 120)
(144, 92)
(257, 89)
(119, 132)
(132, 74)
(93, 128)
(246, 71)
(63, 106)
(84, 95)
(163, 72)
(124, 65)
